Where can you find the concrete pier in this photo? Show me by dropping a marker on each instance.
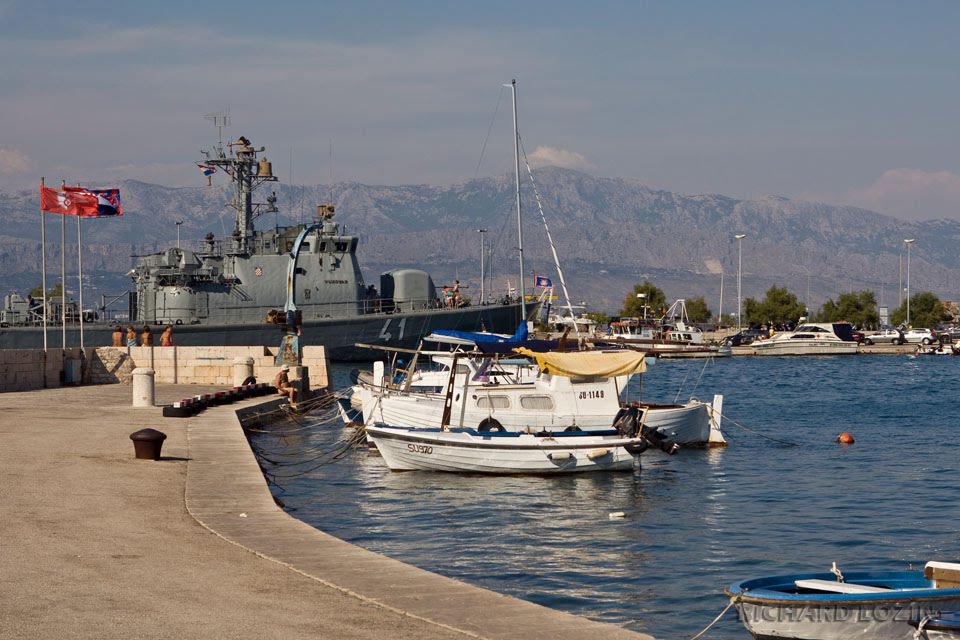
(98, 544)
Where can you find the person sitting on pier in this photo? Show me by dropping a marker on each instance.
(284, 388)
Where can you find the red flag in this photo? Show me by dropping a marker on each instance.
(106, 201)
(67, 203)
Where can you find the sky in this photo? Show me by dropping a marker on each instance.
(851, 102)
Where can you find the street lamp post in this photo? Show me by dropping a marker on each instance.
(482, 272)
(643, 303)
(739, 237)
(909, 242)
(179, 222)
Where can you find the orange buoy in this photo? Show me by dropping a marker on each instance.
(845, 438)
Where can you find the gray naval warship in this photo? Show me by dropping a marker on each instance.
(256, 287)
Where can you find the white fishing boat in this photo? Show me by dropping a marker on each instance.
(553, 392)
(472, 451)
(808, 339)
(880, 605)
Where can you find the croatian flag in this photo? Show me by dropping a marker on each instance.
(542, 281)
(207, 169)
(108, 201)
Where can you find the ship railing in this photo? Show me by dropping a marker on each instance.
(309, 311)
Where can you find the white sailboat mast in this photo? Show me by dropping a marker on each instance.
(516, 154)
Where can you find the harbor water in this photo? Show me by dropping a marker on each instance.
(783, 497)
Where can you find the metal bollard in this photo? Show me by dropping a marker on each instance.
(242, 369)
(143, 393)
(147, 443)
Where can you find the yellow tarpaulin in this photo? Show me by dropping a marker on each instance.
(588, 364)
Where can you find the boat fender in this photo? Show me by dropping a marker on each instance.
(179, 321)
(490, 424)
(636, 448)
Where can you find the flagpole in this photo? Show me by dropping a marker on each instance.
(80, 277)
(43, 267)
(63, 275)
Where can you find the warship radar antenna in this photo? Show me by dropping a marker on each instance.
(247, 172)
(220, 120)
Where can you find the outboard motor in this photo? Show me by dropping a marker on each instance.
(627, 422)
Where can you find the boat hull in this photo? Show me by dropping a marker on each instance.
(461, 451)
(805, 348)
(688, 425)
(772, 608)
(338, 335)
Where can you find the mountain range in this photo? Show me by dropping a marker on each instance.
(609, 233)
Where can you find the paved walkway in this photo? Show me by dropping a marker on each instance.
(97, 544)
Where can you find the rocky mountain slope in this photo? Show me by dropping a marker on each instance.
(610, 233)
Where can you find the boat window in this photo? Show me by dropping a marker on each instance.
(587, 380)
(462, 368)
(537, 403)
(323, 246)
(493, 402)
(341, 247)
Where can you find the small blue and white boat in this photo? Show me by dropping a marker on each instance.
(880, 605)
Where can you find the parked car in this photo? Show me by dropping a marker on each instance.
(885, 336)
(922, 336)
(745, 337)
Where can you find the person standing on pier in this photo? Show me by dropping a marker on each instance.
(131, 337)
(118, 336)
(166, 338)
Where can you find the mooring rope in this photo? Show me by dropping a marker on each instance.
(727, 419)
(717, 619)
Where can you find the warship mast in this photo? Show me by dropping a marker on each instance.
(239, 160)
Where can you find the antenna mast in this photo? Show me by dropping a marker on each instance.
(239, 161)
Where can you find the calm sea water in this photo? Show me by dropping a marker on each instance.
(783, 497)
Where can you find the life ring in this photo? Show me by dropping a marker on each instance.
(178, 322)
(489, 425)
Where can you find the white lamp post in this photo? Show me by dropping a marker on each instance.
(739, 237)
(909, 242)
(482, 272)
(643, 303)
(179, 222)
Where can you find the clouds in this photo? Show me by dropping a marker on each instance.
(912, 194)
(13, 161)
(553, 157)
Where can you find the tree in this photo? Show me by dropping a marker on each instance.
(697, 309)
(55, 291)
(778, 307)
(858, 307)
(926, 310)
(655, 301)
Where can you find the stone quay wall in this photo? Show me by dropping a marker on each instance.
(29, 369)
